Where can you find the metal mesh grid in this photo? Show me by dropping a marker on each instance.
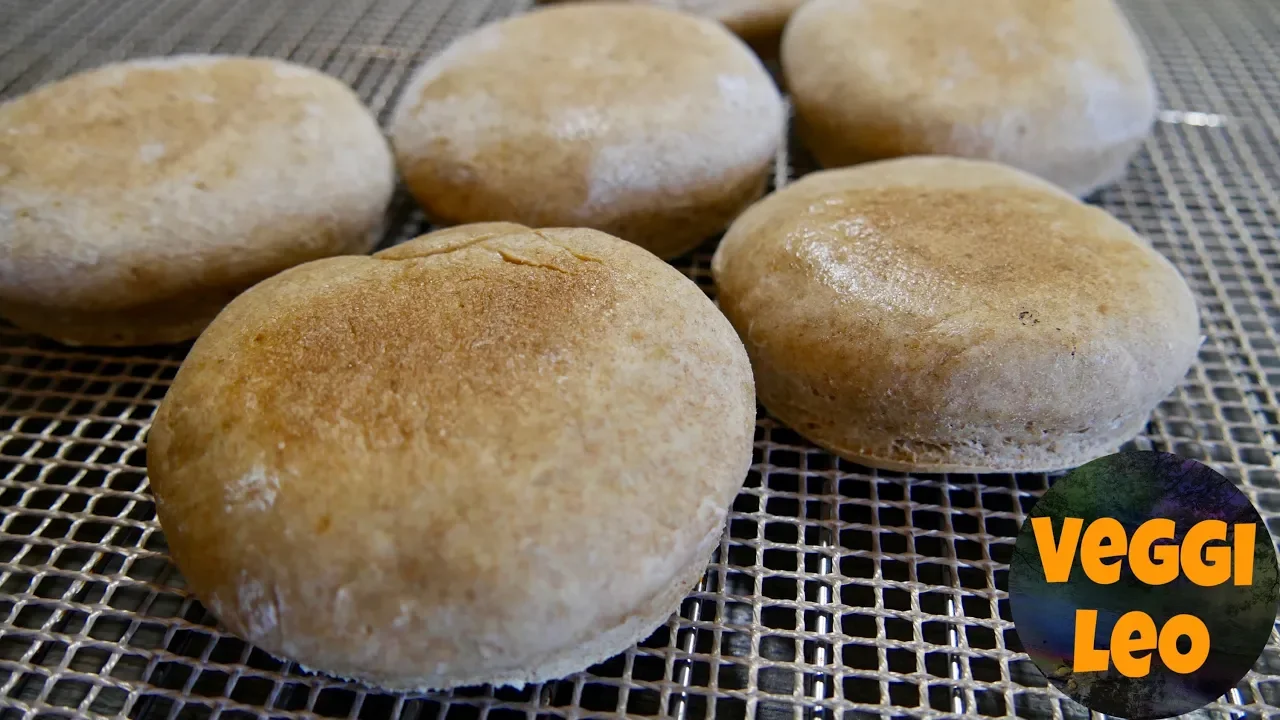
(836, 590)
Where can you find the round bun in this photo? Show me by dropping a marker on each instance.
(1057, 88)
(758, 22)
(948, 315)
(489, 455)
(137, 199)
(651, 125)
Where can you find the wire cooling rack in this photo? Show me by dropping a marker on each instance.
(837, 591)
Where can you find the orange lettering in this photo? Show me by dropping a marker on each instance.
(1087, 658)
(1094, 550)
(1056, 557)
(1194, 658)
(1144, 553)
(1206, 566)
(1246, 534)
(1134, 632)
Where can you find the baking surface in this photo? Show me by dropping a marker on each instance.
(837, 591)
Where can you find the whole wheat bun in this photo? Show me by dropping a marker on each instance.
(1058, 88)
(758, 22)
(652, 125)
(948, 315)
(488, 455)
(138, 198)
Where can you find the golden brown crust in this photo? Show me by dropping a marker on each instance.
(755, 21)
(943, 314)
(1060, 89)
(135, 190)
(651, 125)
(465, 459)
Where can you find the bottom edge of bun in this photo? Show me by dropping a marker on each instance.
(561, 663)
(1009, 459)
(94, 330)
(164, 322)
(574, 660)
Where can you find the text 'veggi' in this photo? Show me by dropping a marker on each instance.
(1204, 556)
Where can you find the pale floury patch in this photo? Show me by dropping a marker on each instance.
(254, 491)
(151, 152)
(257, 610)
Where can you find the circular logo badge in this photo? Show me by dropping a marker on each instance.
(1144, 585)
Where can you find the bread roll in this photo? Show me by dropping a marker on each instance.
(652, 125)
(1058, 88)
(948, 315)
(758, 22)
(489, 455)
(138, 198)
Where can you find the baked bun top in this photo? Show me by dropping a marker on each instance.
(489, 437)
(585, 114)
(146, 180)
(1026, 82)
(957, 294)
(750, 19)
